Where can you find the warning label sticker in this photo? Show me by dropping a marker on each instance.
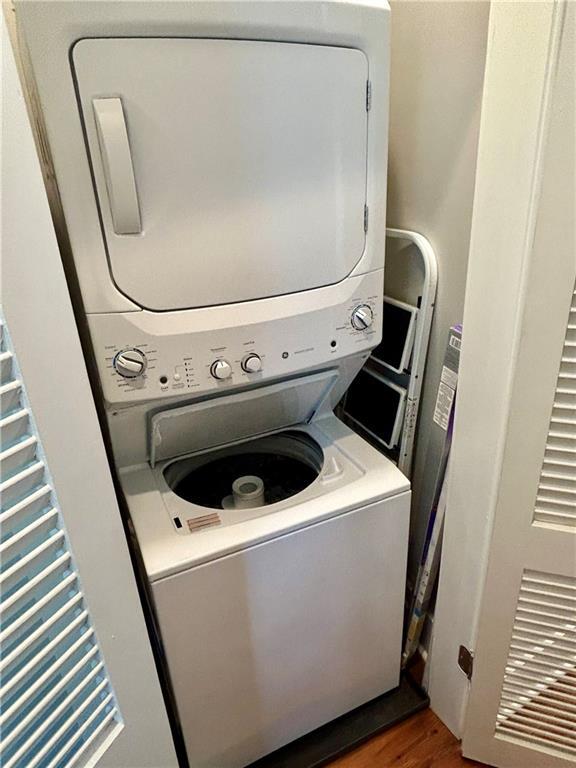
(445, 397)
(455, 342)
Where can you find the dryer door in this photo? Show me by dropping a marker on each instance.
(225, 170)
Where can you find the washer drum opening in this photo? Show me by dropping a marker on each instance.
(286, 463)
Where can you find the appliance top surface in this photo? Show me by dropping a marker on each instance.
(353, 475)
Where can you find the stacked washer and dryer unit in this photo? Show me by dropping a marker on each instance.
(222, 168)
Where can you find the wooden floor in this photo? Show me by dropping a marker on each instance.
(422, 741)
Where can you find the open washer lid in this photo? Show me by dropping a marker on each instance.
(209, 423)
(225, 170)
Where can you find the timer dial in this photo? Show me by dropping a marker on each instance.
(362, 317)
(252, 363)
(130, 363)
(221, 369)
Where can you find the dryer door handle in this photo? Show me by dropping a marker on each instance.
(117, 164)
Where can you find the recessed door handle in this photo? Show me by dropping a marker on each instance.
(117, 163)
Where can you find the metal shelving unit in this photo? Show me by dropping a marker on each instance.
(411, 276)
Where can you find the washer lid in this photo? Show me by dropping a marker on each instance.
(221, 420)
(226, 170)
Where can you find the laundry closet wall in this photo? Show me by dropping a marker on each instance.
(437, 71)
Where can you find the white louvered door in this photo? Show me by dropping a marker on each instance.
(56, 701)
(522, 709)
(538, 701)
(79, 686)
(522, 706)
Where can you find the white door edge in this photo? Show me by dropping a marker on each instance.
(521, 65)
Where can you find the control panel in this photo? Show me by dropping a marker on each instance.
(143, 355)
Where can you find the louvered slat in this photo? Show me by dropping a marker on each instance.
(69, 747)
(22, 725)
(56, 701)
(512, 702)
(545, 637)
(528, 673)
(46, 518)
(527, 693)
(538, 698)
(57, 670)
(5, 367)
(544, 625)
(38, 657)
(10, 394)
(30, 505)
(530, 636)
(39, 633)
(14, 427)
(533, 612)
(55, 713)
(556, 496)
(55, 538)
(20, 455)
(21, 484)
(52, 740)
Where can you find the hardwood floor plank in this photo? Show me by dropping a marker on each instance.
(419, 742)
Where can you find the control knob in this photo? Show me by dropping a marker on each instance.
(252, 363)
(130, 363)
(362, 317)
(221, 369)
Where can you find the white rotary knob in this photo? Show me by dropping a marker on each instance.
(362, 317)
(130, 363)
(221, 369)
(252, 363)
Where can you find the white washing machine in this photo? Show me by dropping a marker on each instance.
(222, 171)
(279, 618)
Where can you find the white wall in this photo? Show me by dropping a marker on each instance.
(37, 306)
(438, 57)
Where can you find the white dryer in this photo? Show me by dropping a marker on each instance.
(222, 171)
